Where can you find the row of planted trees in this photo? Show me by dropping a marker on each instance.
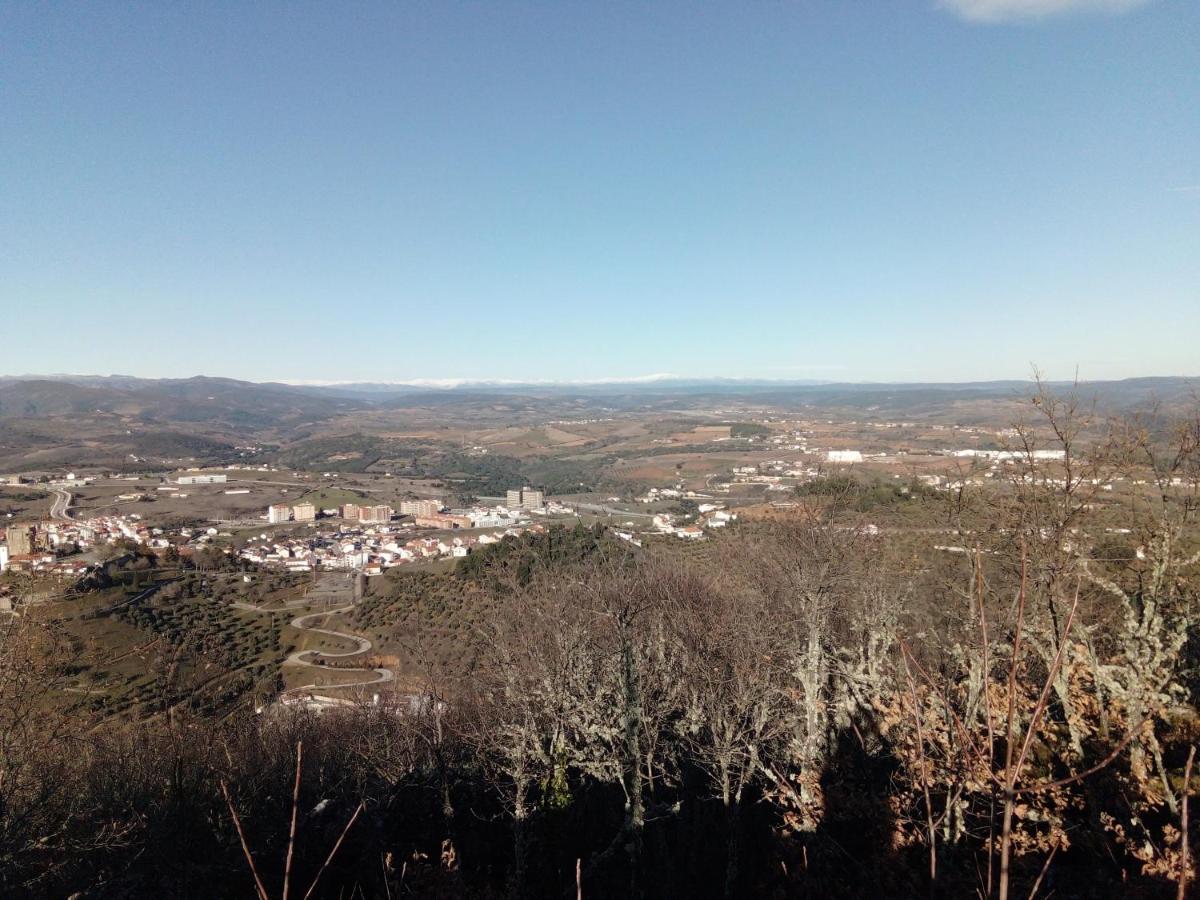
(807, 710)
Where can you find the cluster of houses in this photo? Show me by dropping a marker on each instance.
(654, 495)
(370, 550)
(712, 515)
(64, 548)
(39, 547)
(771, 473)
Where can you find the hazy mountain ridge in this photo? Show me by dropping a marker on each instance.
(244, 404)
(200, 400)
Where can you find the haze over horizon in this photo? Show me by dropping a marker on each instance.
(663, 378)
(922, 191)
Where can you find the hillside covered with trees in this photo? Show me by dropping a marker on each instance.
(806, 707)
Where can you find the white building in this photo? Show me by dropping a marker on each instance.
(3, 558)
(843, 456)
(1005, 455)
(278, 513)
(197, 478)
(525, 498)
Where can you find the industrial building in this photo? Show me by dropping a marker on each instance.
(444, 521)
(198, 478)
(844, 456)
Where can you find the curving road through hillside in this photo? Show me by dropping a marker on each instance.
(301, 657)
(311, 657)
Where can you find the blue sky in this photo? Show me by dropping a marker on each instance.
(909, 190)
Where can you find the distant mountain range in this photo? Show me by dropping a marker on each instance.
(238, 404)
(199, 400)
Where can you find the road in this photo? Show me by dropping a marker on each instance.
(62, 503)
(612, 511)
(362, 645)
(311, 658)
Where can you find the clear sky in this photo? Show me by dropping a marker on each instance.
(899, 190)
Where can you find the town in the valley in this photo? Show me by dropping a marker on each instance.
(273, 518)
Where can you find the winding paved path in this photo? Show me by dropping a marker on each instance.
(309, 657)
(298, 657)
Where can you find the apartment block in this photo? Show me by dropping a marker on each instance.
(21, 539)
(374, 515)
(525, 498)
(420, 507)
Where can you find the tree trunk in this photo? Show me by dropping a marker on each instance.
(733, 846)
(520, 839)
(636, 816)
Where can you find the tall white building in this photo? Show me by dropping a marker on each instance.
(526, 498)
(277, 513)
(3, 558)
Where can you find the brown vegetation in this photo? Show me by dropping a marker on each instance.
(805, 709)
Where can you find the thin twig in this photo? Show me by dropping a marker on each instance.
(287, 866)
(1042, 874)
(1184, 862)
(987, 707)
(1040, 708)
(1009, 777)
(987, 674)
(1079, 776)
(912, 687)
(332, 852)
(237, 823)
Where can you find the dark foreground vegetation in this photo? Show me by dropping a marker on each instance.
(808, 709)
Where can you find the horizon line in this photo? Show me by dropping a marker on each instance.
(650, 379)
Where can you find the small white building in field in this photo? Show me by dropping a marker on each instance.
(198, 478)
(843, 456)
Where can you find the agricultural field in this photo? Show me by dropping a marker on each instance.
(24, 502)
